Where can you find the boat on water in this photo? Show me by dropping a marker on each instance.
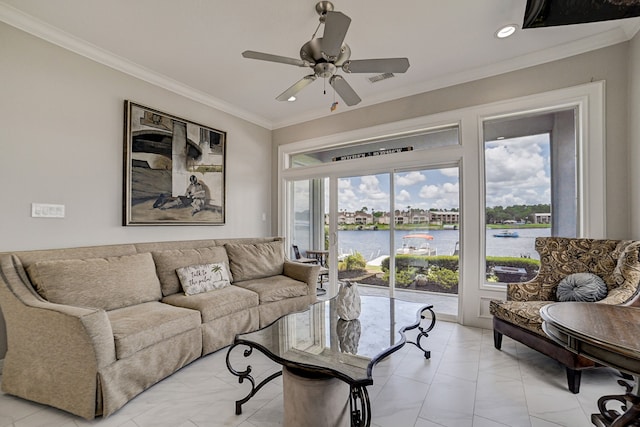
(506, 233)
(417, 244)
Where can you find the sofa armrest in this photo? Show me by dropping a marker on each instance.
(307, 273)
(54, 351)
(622, 296)
(524, 291)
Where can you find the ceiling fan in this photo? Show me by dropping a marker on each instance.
(324, 55)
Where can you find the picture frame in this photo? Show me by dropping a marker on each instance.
(174, 169)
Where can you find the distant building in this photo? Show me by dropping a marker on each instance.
(542, 218)
(353, 218)
(363, 218)
(444, 217)
(412, 216)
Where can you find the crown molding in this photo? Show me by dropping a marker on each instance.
(51, 34)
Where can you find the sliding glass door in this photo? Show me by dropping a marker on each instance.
(398, 233)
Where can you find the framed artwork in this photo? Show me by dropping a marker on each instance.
(174, 170)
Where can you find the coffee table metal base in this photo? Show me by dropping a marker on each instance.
(246, 375)
(358, 396)
(359, 403)
(424, 332)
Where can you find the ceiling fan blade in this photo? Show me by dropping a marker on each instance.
(297, 87)
(387, 65)
(336, 25)
(274, 58)
(346, 92)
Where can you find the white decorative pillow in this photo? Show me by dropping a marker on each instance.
(196, 279)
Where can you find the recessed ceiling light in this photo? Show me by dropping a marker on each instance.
(506, 31)
(291, 98)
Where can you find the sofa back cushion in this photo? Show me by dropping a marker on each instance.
(562, 256)
(254, 261)
(168, 261)
(106, 283)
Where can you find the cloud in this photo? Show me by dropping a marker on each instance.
(429, 191)
(411, 178)
(403, 196)
(443, 196)
(450, 172)
(516, 171)
(367, 192)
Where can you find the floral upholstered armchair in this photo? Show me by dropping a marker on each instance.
(616, 262)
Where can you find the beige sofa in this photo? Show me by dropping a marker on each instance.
(90, 328)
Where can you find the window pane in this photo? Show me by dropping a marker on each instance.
(530, 190)
(427, 232)
(302, 230)
(363, 236)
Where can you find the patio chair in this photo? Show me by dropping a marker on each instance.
(300, 258)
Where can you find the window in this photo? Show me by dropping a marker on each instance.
(530, 189)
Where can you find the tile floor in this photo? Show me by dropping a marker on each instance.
(465, 383)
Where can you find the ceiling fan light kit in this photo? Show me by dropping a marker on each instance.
(327, 54)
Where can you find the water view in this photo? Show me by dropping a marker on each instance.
(373, 244)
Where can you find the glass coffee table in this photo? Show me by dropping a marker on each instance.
(317, 349)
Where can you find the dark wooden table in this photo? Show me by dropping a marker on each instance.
(319, 255)
(609, 335)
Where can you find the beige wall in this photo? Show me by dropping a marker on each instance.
(61, 127)
(634, 134)
(61, 139)
(610, 64)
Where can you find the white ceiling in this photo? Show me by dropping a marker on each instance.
(194, 47)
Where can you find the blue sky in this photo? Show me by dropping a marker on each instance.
(517, 172)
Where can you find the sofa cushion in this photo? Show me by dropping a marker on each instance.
(254, 261)
(196, 279)
(143, 325)
(167, 262)
(275, 288)
(585, 287)
(525, 314)
(106, 283)
(214, 305)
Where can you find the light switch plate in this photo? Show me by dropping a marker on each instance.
(47, 210)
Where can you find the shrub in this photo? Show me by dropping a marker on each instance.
(354, 261)
(404, 277)
(443, 276)
(404, 261)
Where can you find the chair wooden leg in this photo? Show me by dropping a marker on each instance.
(497, 339)
(573, 380)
